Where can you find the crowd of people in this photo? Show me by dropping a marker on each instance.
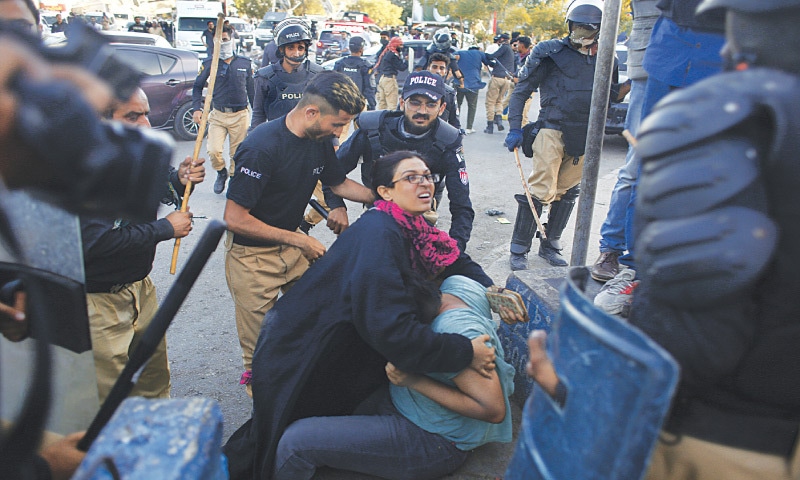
(379, 354)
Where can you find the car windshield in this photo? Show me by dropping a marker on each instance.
(242, 27)
(190, 24)
(266, 24)
(335, 37)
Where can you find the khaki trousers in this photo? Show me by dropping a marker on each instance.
(117, 322)
(689, 458)
(256, 275)
(498, 87)
(386, 95)
(220, 125)
(526, 108)
(554, 172)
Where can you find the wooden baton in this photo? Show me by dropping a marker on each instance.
(539, 226)
(201, 130)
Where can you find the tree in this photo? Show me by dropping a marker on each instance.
(310, 7)
(253, 8)
(547, 20)
(515, 18)
(382, 12)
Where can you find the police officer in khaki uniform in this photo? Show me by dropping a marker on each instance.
(229, 117)
(500, 84)
(118, 257)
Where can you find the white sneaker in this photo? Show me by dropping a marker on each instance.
(617, 294)
(468, 131)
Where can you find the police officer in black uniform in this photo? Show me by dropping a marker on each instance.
(416, 126)
(439, 64)
(442, 44)
(390, 62)
(359, 70)
(718, 251)
(279, 86)
(229, 117)
(563, 71)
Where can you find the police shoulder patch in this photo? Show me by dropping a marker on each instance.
(462, 175)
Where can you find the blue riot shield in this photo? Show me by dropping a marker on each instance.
(619, 384)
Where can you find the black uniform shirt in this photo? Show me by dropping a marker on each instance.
(276, 173)
(390, 64)
(450, 165)
(358, 69)
(233, 87)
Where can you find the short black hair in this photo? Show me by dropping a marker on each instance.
(525, 41)
(333, 91)
(438, 57)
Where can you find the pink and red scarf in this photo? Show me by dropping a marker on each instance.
(432, 250)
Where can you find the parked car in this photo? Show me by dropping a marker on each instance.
(332, 44)
(245, 31)
(169, 74)
(136, 38)
(263, 31)
(617, 111)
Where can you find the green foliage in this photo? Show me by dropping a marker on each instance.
(382, 12)
(547, 20)
(253, 8)
(310, 7)
(515, 18)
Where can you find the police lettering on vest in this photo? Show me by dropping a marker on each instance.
(291, 96)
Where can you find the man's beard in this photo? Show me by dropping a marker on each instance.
(415, 129)
(315, 133)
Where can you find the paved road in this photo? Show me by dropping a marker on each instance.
(203, 347)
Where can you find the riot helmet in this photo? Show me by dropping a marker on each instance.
(442, 41)
(292, 30)
(758, 33)
(584, 18)
(585, 11)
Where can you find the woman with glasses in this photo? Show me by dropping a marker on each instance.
(324, 346)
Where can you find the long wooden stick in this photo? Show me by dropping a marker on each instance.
(201, 130)
(528, 196)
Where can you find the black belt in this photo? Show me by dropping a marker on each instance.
(229, 109)
(388, 76)
(768, 435)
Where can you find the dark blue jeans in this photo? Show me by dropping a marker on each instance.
(614, 236)
(385, 444)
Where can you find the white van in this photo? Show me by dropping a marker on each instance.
(191, 18)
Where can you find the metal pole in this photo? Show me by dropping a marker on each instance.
(597, 121)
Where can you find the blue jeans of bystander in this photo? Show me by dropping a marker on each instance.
(613, 233)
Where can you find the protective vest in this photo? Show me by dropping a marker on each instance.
(566, 93)
(285, 89)
(353, 67)
(451, 103)
(715, 193)
(383, 139)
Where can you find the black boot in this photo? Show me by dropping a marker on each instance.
(524, 228)
(489, 127)
(498, 120)
(560, 211)
(219, 183)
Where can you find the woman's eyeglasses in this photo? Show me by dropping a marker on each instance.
(419, 179)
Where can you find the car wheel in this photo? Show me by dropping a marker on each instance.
(185, 128)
